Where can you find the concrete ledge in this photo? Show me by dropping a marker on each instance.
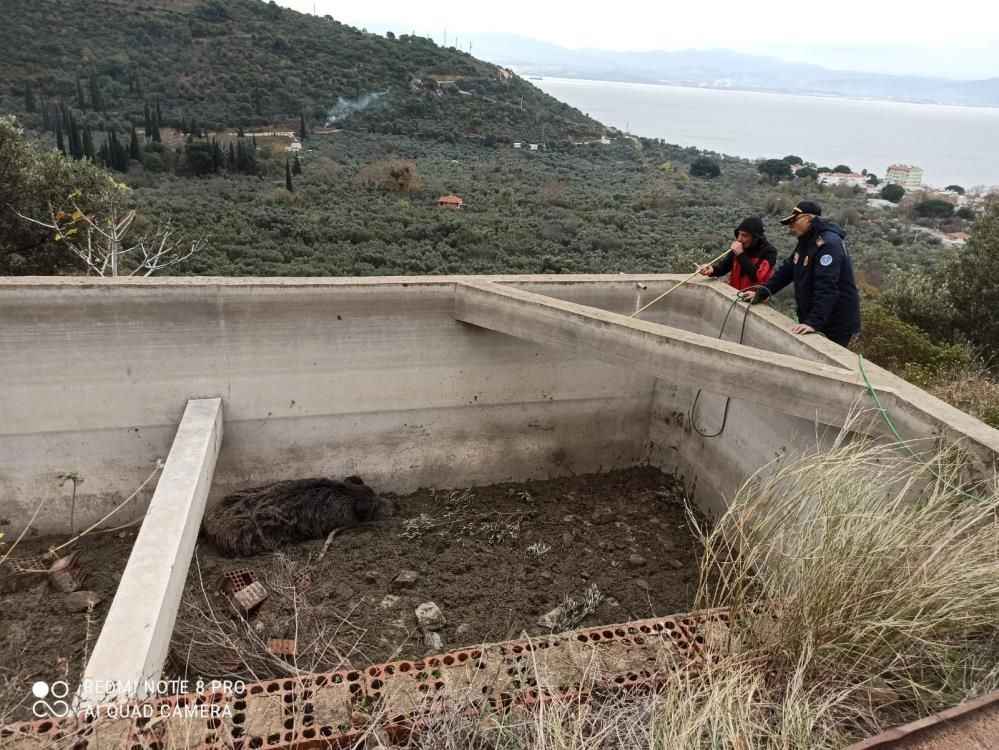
(132, 646)
(918, 415)
(787, 384)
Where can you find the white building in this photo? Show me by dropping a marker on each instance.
(517, 144)
(850, 179)
(533, 146)
(911, 178)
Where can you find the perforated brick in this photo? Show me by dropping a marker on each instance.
(236, 579)
(250, 597)
(282, 646)
(333, 709)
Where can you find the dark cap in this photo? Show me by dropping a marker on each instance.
(803, 207)
(751, 224)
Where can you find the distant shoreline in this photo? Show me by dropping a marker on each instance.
(529, 76)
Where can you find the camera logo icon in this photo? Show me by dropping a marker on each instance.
(58, 708)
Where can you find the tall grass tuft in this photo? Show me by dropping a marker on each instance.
(863, 572)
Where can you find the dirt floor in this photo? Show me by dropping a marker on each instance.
(494, 559)
(46, 634)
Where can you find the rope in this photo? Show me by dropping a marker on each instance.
(677, 285)
(122, 504)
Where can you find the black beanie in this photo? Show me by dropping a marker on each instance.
(753, 225)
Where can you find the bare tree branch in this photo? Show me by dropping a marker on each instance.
(102, 242)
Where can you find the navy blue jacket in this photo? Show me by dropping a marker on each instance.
(824, 288)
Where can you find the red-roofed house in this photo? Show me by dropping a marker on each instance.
(450, 201)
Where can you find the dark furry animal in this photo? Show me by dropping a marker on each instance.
(261, 519)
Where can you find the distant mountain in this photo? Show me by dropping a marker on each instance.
(724, 69)
(225, 63)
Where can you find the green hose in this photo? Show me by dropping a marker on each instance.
(894, 431)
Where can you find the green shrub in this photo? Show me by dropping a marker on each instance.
(905, 349)
(702, 166)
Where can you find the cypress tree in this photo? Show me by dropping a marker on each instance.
(80, 101)
(159, 115)
(218, 158)
(29, 97)
(302, 132)
(147, 127)
(60, 144)
(232, 157)
(117, 155)
(156, 125)
(134, 150)
(46, 116)
(287, 176)
(96, 102)
(75, 142)
(296, 166)
(88, 143)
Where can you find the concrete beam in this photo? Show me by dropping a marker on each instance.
(786, 384)
(133, 643)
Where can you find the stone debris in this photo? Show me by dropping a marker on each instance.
(81, 601)
(343, 592)
(642, 584)
(636, 561)
(430, 617)
(433, 641)
(552, 618)
(406, 579)
(389, 601)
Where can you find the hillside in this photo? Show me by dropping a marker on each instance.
(229, 63)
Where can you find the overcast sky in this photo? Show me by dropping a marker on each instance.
(950, 39)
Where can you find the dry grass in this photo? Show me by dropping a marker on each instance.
(971, 390)
(866, 575)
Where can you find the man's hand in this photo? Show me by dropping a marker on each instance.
(748, 295)
(802, 328)
(736, 248)
(706, 270)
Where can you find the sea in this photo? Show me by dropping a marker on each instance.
(953, 144)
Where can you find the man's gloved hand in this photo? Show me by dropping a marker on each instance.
(753, 296)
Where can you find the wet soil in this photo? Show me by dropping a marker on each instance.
(494, 559)
(39, 638)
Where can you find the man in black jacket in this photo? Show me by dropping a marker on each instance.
(824, 288)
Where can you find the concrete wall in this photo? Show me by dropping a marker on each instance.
(756, 437)
(318, 377)
(374, 377)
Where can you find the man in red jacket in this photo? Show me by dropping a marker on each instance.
(751, 258)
